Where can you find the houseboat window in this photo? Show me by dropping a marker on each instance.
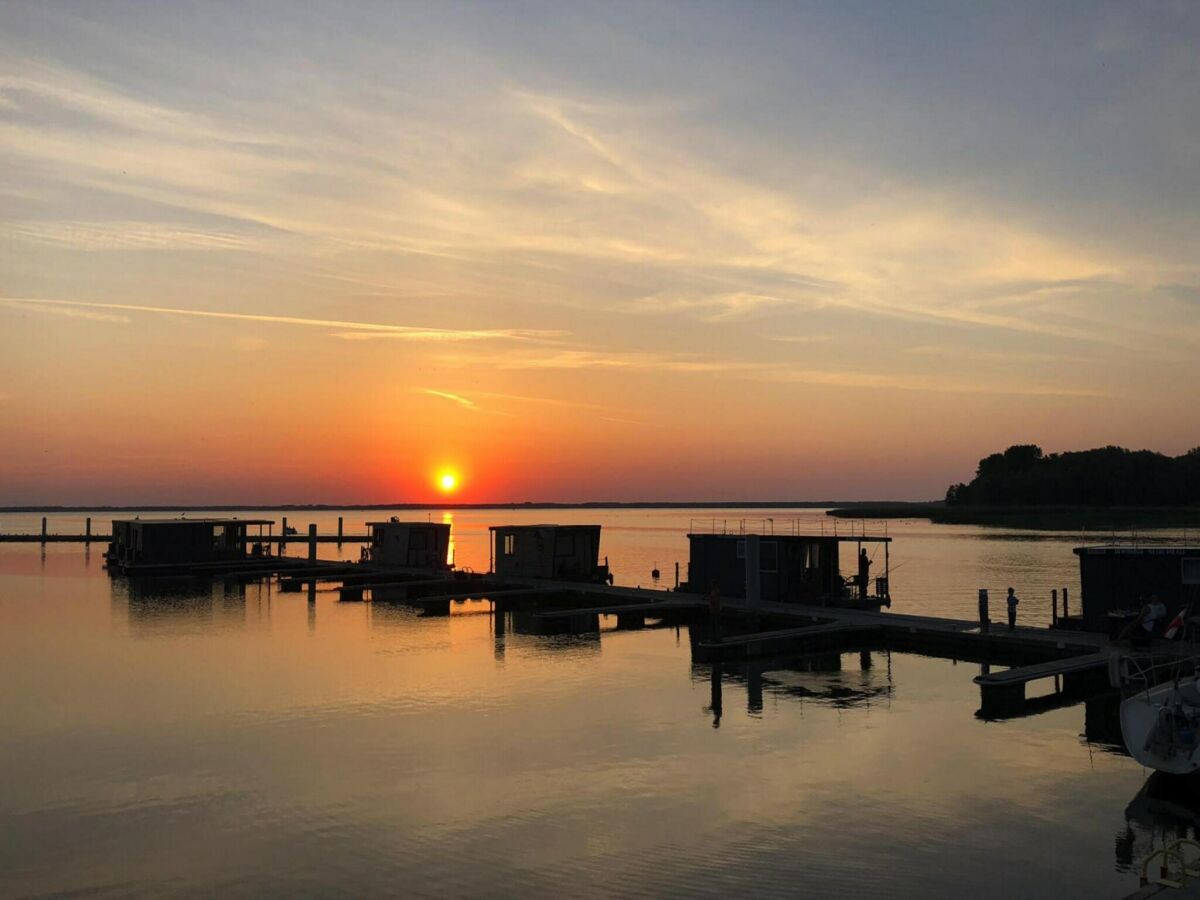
(510, 544)
(768, 556)
(564, 545)
(1191, 570)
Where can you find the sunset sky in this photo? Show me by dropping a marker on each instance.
(293, 252)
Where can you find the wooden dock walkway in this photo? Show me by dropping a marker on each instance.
(1036, 653)
(760, 642)
(107, 538)
(660, 607)
(1022, 675)
(1033, 653)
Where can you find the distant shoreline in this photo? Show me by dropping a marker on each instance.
(1067, 518)
(598, 504)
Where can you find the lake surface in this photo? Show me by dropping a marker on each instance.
(166, 740)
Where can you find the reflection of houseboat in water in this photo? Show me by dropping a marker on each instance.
(1162, 824)
(792, 567)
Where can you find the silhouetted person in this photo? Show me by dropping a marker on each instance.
(1012, 601)
(715, 697)
(864, 573)
(1149, 621)
(1141, 630)
(714, 613)
(1158, 610)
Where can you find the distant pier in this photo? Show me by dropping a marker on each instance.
(749, 629)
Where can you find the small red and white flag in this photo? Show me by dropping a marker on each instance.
(1176, 626)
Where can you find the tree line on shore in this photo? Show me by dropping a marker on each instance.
(1107, 476)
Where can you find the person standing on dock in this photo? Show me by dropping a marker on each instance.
(1012, 601)
(714, 613)
(864, 573)
(1158, 610)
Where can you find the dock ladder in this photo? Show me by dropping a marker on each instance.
(1186, 869)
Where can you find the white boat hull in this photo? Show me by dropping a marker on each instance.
(1142, 718)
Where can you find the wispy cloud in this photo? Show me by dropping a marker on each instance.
(938, 384)
(455, 398)
(412, 332)
(799, 338)
(597, 359)
(546, 401)
(960, 352)
(98, 236)
(716, 307)
(444, 334)
(782, 373)
(66, 312)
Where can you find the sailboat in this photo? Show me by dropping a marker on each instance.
(1160, 719)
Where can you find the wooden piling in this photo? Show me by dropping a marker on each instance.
(753, 573)
(43, 529)
(984, 621)
(312, 542)
(339, 529)
(283, 534)
(1054, 607)
(1065, 613)
(87, 529)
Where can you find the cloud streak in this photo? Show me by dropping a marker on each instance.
(66, 312)
(781, 373)
(454, 398)
(359, 329)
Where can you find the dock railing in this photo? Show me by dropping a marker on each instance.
(793, 526)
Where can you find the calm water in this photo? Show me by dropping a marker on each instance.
(235, 740)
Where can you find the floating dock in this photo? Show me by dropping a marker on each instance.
(795, 605)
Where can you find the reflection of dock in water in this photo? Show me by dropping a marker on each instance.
(171, 605)
(816, 678)
(1164, 815)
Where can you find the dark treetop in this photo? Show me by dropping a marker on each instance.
(1108, 476)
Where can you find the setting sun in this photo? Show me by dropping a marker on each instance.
(447, 482)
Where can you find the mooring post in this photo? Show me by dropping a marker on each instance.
(1065, 613)
(983, 609)
(753, 577)
(43, 529)
(676, 574)
(283, 533)
(1054, 607)
(312, 542)
(87, 530)
(339, 529)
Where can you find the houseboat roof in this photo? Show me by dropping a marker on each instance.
(844, 538)
(544, 525)
(196, 521)
(1114, 550)
(410, 524)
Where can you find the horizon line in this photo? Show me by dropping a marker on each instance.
(525, 504)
